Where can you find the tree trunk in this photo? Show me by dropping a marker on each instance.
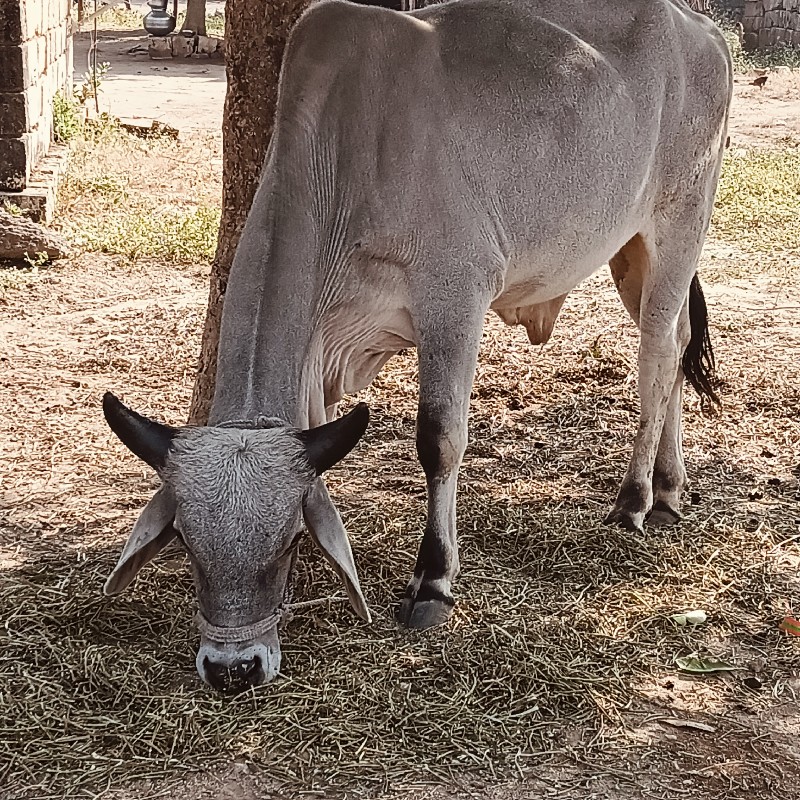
(255, 35)
(22, 238)
(195, 20)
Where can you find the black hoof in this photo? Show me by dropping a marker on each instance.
(423, 614)
(662, 514)
(624, 519)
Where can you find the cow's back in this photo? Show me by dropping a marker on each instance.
(493, 102)
(501, 148)
(588, 107)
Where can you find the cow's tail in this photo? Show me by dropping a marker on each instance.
(698, 358)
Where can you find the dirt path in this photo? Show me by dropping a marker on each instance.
(185, 93)
(768, 115)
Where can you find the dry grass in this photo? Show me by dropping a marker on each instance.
(758, 200)
(561, 623)
(15, 278)
(119, 196)
(123, 19)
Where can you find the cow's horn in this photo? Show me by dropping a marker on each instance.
(145, 438)
(330, 443)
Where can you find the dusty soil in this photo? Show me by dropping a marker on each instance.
(768, 114)
(185, 93)
(96, 322)
(188, 93)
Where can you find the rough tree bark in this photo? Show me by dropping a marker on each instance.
(195, 20)
(255, 35)
(21, 238)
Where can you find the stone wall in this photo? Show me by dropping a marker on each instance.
(771, 23)
(35, 63)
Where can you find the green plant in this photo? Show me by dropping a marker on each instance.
(91, 83)
(68, 121)
(145, 230)
(215, 24)
(37, 260)
(757, 200)
(747, 60)
(12, 208)
(66, 118)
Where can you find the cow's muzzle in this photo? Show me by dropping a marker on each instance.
(235, 677)
(234, 659)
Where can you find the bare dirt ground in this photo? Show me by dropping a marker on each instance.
(768, 114)
(550, 432)
(185, 93)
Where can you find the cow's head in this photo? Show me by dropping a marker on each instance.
(235, 497)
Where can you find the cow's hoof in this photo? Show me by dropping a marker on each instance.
(630, 521)
(422, 614)
(663, 514)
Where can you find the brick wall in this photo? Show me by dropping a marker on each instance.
(771, 23)
(35, 62)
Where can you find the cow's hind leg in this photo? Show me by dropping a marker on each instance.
(697, 366)
(448, 340)
(654, 283)
(629, 268)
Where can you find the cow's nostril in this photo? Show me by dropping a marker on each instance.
(234, 677)
(248, 670)
(216, 673)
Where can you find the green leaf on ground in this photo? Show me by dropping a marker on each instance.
(703, 665)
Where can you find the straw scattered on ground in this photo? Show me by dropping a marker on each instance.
(561, 646)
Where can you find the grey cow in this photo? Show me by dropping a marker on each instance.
(427, 167)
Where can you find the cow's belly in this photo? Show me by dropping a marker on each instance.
(537, 282)
(539, 274)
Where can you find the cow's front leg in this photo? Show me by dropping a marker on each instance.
(448, 353)
(441, 440)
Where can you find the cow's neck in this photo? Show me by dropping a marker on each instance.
(279, 285)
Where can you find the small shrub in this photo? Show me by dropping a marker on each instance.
(12, 208)
(37, 260)
(68, 122)
(66, 118)
(17, 277)
(748, 60)
(148, 231)
(91, 83)
(215, 24)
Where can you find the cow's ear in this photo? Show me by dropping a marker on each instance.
(330, 443)
(145, 438)
(152, 532)
(326, 529)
